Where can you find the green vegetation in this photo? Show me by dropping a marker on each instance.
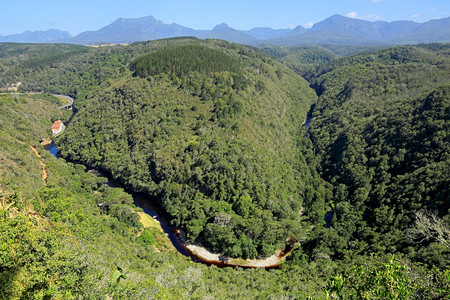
(224, 150)
(57, 242)
(64, 69)
(147, 237)
(53, 233)
(20, 116)
(305, 59)
(183, 60)
(301, 59)
(391, 279)
(382, 134)
(204, 144)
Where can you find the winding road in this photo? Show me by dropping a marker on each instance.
(68, 105)
(70, 99)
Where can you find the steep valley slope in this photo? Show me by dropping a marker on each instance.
(214, 130)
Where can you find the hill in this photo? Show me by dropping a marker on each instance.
(58, 68)
(306, 58)
(381, 132)
(222, 132)
(54, 237)
(222, 145)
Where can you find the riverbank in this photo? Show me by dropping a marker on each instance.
(202, 253)
(150, 218)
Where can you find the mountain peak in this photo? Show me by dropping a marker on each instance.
(225, 32)
(221, 27)
(336, 29)
(337, 17)
(141, 20)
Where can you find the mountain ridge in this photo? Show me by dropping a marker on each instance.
(336, 29)
(39, 36)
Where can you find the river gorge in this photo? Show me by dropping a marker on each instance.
(195, 252)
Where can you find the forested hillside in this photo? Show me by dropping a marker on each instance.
(54, 239)
(381, 130)
(56, 242)
(363, 195)
(211, 129)
(303, 59)
(65, 69)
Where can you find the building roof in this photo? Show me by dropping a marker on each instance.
(56, 125)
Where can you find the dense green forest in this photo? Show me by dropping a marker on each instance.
(211, 141)
(382, 134)
(363, 195)
(57, 243)
(181, 60)
(302, 59)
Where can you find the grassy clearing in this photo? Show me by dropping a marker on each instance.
(148, 221)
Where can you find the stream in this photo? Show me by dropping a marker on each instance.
(52, 149)
(309, 118)
(151, 207)
(145, 202)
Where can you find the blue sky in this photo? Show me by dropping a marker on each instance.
(16, 16)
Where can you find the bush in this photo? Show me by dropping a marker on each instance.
(146, 237)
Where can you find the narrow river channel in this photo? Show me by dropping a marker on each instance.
(145, 202)
(151, 207)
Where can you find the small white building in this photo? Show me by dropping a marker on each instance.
(57, 127)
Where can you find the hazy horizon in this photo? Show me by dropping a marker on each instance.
(80, 16)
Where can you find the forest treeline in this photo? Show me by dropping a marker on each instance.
(363, 195)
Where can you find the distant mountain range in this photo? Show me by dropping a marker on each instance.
(48, 36)
(333, 30)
